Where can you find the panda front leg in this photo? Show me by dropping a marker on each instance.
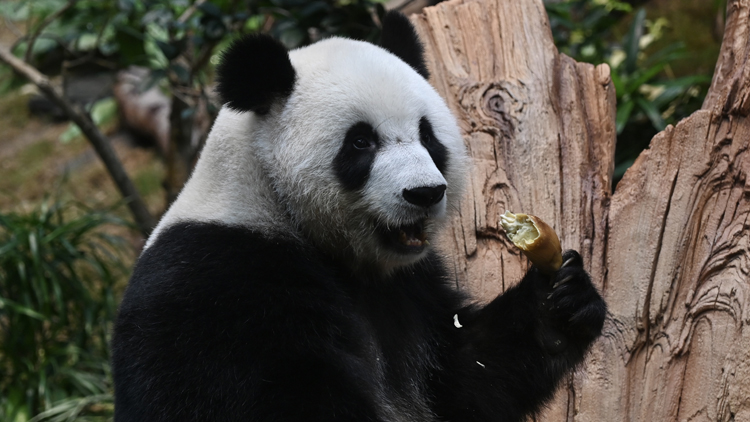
(507, 358)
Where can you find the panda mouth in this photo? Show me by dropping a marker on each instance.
(410, 238)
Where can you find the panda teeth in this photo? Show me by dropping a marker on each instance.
(406, 240)
(415, 238)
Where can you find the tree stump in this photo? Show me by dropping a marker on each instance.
(668, 250)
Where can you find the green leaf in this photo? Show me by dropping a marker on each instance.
(23, 310)
(214, 29)
(211, 9)
(154, 77)
(57, 304)
(668, 95)
(652, 113)
(170, 51)
(126, 6)
(183, 75)
(11, 245)
(649, 74)
(623, 114)
(161, 17)
(687, 81)
(87, 41)
(593, 19)
(632, 40)
(131, 45)
(71, 133)
(674, 51)
(104, 111)
(618, 83)
(16, 407)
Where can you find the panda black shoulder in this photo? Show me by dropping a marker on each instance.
(204, 294)
(217, 275)
(192, 252)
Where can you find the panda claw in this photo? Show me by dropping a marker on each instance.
(561, 282)
(566, 263)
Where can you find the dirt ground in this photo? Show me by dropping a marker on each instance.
(35, 165)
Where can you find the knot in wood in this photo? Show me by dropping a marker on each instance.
(495, 103)
(500, 107)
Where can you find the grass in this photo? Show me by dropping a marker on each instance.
(14, 115)
(63, 266)
(59, 278)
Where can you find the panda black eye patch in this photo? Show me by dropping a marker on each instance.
(354, 160)
(437, 150)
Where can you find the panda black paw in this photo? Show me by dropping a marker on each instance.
(572, 306)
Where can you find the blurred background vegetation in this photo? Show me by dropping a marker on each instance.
(67, 243)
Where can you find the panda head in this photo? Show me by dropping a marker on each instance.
(364, 156)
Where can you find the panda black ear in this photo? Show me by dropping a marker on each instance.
(254, 71)
(400, 38)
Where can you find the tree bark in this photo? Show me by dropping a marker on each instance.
(668, 250)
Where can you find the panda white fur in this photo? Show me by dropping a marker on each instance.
(293, 278)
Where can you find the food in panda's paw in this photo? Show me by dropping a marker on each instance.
(536, 239)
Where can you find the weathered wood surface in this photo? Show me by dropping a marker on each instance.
(668, 250)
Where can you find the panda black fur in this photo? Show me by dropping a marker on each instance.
(292, 281)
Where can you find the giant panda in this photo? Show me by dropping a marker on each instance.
(295, 278)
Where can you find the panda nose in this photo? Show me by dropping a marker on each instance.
(424, 196)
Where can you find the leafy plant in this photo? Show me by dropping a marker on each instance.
(582, 29)
(636, 76)
(58, 276)
(177, 41)
(301, 22)
(647, 98)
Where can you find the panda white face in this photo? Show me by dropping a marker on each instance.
(341, 144)
(364, 153)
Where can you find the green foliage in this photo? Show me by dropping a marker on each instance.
(176, 39)
(58, 275)
(582, 29)
(648, 97)
(121, 33)
(637, 81)
(301, 22)
(154, 33)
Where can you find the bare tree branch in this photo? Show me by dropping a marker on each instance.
(101, 144)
